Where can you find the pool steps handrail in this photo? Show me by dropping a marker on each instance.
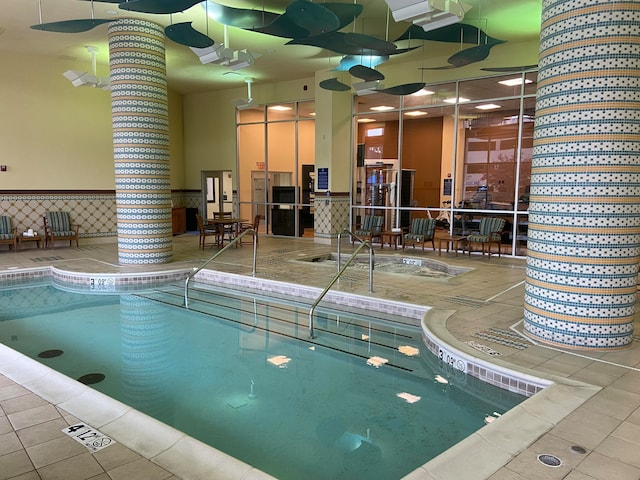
(233, 242)
(363, 244)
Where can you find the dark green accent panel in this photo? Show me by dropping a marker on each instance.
(313, 17)
(335, 85)
(521, 68)
(366, 73)
(71, 26)
(406, 89)
(184, 34)
(348, 43)
(158, 6)
(456, 33)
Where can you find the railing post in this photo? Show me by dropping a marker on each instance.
(233, 242)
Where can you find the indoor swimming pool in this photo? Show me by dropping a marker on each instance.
(238, 372)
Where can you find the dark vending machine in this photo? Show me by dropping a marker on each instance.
(407, 184)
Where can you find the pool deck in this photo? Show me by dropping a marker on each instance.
(594, 404)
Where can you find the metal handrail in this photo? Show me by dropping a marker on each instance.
(363, 244)
(233, 242)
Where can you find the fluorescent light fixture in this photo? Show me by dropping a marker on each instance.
(365, 120)
(429, 14)
(245, 103)
(381, 108)
(241, 59)
(422, 92)
(218, 54)
(514, 82)
(487, 106)
(453, 100)
(367, 88)
(84, 79)
(415, 113)
(212, 54)
(279, 108)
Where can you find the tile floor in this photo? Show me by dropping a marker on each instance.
(606, 424)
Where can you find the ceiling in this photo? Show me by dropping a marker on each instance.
(515, 21)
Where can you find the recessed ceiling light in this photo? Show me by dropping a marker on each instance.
(422, 93)
(279, 108)
(453, 100)
(487, 106)
(512, 82)
(381, 108)
(415, 113)
(365, 120)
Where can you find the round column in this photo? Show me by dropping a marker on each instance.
(584, 215)
(140, 141)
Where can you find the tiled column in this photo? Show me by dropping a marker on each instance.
(584, 215)
(140, 141)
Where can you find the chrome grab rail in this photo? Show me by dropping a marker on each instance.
(233, 242)
(363, 244)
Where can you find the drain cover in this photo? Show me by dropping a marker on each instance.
(578, 449)
(549, 460)
(91, 378)
(50, 353)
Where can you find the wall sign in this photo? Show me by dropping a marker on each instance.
(323, 179)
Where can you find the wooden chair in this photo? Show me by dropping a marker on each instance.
(371, 228)
(491, 229)
(246, 226)
(421, 231)
(8, 235)
(207, 231)
(58, 226)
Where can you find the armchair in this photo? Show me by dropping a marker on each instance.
(207, 231)
(491, 229)
(421, 231)
(371, 228)
(57, 226)
(8, 235)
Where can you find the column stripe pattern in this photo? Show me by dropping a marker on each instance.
(139, 110)
(584, 214)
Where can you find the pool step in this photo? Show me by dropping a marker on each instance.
(361, 337)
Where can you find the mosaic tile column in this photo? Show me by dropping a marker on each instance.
(140, 141)
(584, 215)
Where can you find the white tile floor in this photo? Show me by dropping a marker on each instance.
(606, 423)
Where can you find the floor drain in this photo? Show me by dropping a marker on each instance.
(549, 460)
(50, 353)
(578, 449)
(91, 378)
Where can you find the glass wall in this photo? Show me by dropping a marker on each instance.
(456, 152)
(276, 157)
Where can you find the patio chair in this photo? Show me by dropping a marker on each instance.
(371, 228)
(491, 229)
(247, 226)
(8, 235)
(58, 226)
(207, 231)
(421, 231)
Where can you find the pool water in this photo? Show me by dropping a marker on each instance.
(239, 373)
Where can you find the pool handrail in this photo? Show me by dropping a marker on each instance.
(363, 244)
(233, 242)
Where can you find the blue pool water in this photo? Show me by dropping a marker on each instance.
(231, 373)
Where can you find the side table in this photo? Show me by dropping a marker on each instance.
(391, 238)
(453, 240)
(23, 239)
